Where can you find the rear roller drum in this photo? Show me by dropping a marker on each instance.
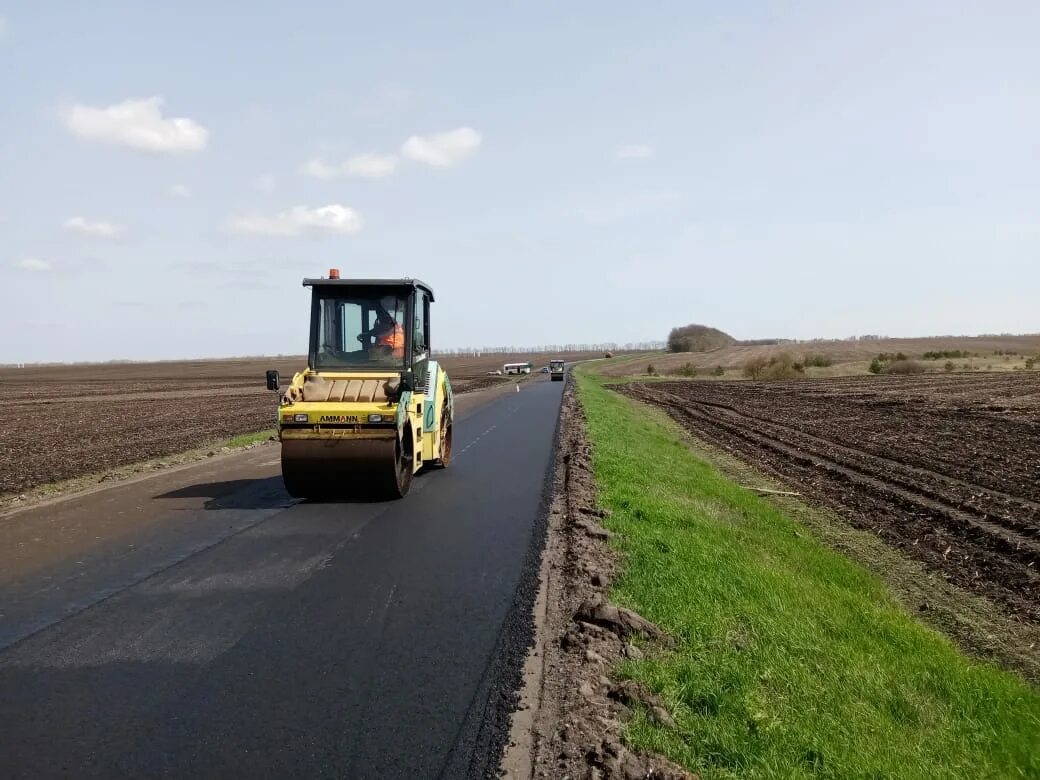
(445, 439)
(403, 468)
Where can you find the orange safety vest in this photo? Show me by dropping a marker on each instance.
(393, 338)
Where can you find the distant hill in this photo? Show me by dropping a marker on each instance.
(698, 338)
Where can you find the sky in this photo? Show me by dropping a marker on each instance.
(557, 172)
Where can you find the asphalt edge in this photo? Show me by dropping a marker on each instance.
(519, 757)
(120, 476)
(505, 678)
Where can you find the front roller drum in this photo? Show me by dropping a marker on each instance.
(346, 469)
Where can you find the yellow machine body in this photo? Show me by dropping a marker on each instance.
(363, 434)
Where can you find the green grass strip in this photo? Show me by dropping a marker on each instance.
(246, 439)
(792, 661)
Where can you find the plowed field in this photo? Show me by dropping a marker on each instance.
(945, 468)
(66, 421)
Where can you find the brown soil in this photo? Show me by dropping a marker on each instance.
(942, 468)
(579, 710)
(65, 421)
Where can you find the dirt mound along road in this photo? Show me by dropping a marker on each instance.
(944, 469)
(579, 711)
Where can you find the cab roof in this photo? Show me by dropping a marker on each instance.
(415, 283)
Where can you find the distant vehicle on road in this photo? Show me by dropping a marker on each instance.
(517, 368)
(556, 370)
(496, 372)
(543, 370)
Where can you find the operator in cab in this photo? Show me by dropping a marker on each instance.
(388, 333)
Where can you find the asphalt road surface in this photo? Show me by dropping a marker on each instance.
(201, 623)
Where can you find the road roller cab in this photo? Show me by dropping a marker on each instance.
(371, 408)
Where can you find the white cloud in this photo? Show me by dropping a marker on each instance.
(99, 229)
(371, 166)
(634, 152)
(442, 149)
(267, 183)
(180, 191)
(33, 264)
(138, 124)
(320, 169)
(302, 220)
(368, 166)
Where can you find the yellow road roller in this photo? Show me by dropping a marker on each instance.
(371, 408)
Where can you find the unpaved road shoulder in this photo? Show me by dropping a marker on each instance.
(571, 712)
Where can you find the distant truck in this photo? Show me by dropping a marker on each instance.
(556, 370)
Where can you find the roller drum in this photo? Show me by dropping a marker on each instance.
(345, 468)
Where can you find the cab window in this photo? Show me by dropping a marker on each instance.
(422, 319)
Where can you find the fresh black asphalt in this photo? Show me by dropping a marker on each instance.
(322, 640)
